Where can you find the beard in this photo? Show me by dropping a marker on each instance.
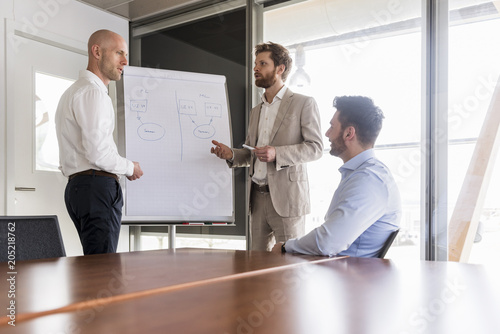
(266, 81)
(338, 146)
(108, 68)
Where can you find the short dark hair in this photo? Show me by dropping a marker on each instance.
(361, 113)
(279, 55)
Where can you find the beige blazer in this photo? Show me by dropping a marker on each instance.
(296, 135)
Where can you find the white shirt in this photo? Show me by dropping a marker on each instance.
(85, 121)
(268, 114)
(365, 209)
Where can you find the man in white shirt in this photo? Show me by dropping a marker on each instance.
(88, 156)
(286, 133)
(366, 206)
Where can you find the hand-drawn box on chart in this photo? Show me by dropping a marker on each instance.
(187, 107)
(213, 109)
(138, 105)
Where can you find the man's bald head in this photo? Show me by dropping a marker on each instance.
(103, 38)
(107, 55)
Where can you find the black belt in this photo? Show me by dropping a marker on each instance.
(95, 172)
(259, 188)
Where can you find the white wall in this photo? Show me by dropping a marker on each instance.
(65, 20)
(63, 23)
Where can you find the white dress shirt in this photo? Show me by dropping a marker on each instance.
(365, 209)
(85, 121)
(268, 114)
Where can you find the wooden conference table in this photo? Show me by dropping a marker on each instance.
(217, 291)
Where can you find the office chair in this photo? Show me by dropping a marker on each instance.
(34, 237)
(387, 244)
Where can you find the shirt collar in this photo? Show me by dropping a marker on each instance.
(92, 77)
(280, 95)
(358, 160)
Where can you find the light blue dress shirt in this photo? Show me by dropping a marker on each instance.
(365, 209)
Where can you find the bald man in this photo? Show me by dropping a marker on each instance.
(88, 156)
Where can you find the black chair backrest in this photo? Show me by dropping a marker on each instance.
(387, 244)
(30, 238)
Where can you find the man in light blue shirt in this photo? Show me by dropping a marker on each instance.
(366, 206)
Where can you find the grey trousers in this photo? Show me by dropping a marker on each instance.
(267, 227)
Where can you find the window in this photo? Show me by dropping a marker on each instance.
(373, 48)
(370, 48)
(48, 90)
(474, 69)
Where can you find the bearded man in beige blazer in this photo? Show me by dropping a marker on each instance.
(284, 134)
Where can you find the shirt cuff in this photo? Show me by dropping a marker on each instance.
(130, 169)
(289, 245)
(232, 159)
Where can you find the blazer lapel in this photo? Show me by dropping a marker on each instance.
(284, 107)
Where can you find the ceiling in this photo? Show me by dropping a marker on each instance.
(135, 10)
(219, 34)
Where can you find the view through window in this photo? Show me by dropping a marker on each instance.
(474, 69)
(48, 91)
(373, 48)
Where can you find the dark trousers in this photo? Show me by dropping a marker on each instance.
(94, 203)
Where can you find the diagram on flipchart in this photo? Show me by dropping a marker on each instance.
(146, 130)
(171, 119)
(197, 117)
(212, 110)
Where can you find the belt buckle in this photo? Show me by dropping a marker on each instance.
(261, 188)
